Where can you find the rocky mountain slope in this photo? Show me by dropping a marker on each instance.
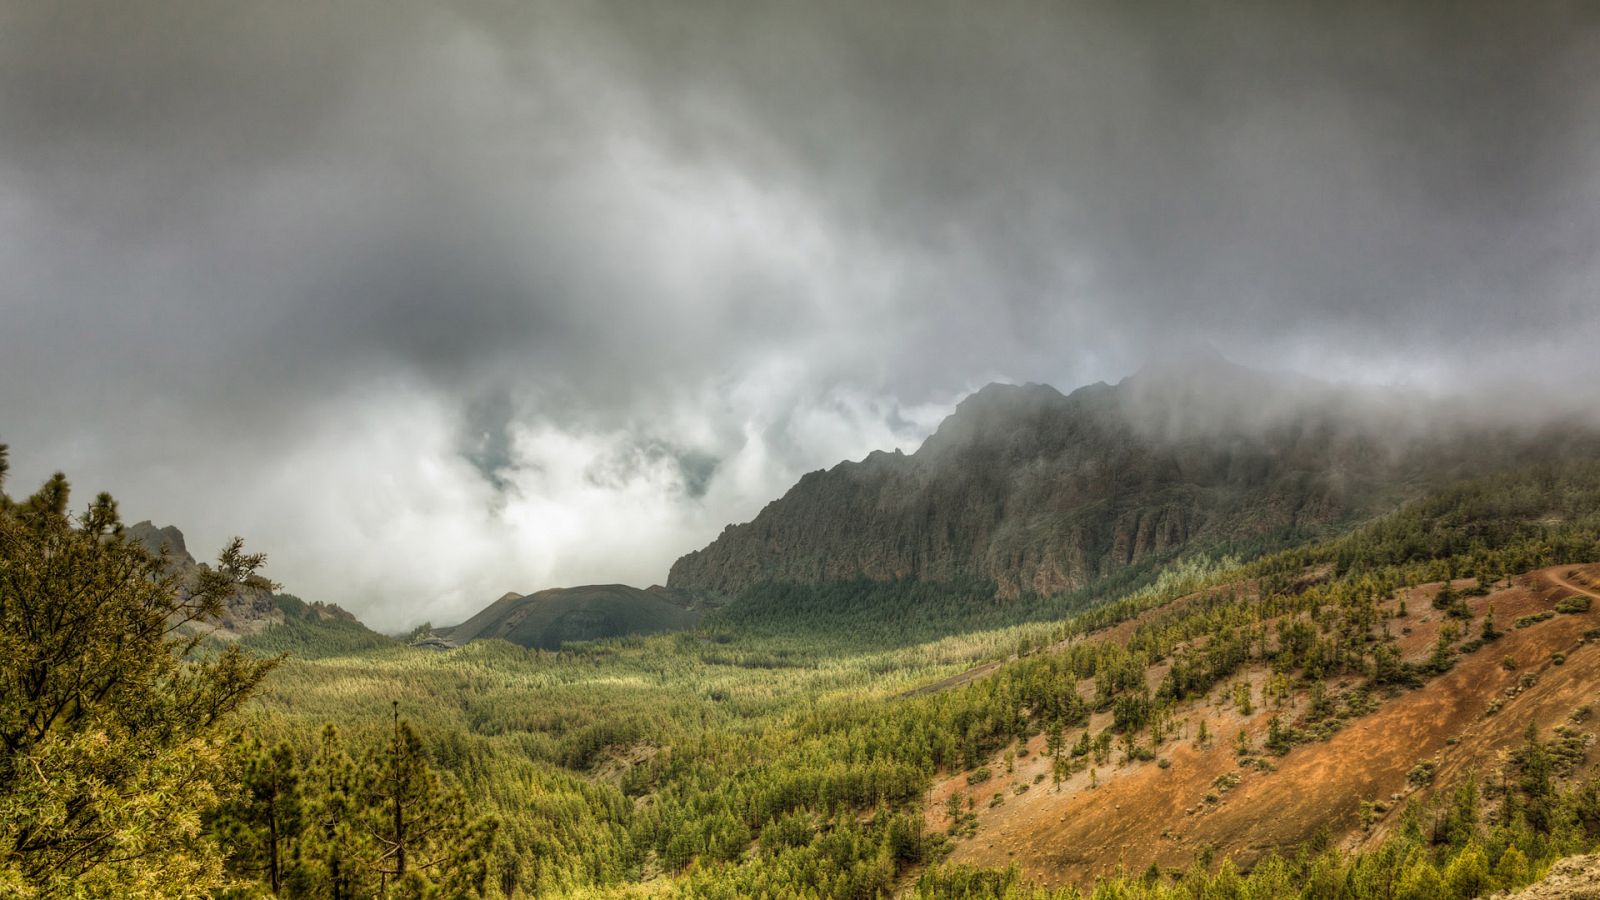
(549, 618)
(246, 612)
(1044, 492)
(1204, 792)
(250, 611)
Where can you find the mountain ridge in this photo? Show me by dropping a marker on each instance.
(1044, 492)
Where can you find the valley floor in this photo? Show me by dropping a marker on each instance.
(1335, 697)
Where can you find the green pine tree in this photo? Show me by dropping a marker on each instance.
(261, 823)
(110, 722)
(421, 836)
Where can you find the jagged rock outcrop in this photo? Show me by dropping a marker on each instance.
(249, 609)
(158, 540)
(1044, 492)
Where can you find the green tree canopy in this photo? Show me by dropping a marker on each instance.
(109, 714)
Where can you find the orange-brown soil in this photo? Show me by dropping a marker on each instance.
(1141, 813)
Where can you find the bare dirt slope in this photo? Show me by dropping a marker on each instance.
(1130, 815)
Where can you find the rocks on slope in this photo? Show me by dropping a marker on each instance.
(1573, 878)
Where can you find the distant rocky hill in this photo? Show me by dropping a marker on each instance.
(548, 619)
(1044, 492)
(250, 611)
(157, 540)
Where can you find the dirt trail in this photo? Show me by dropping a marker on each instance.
(1560, 574)
(960, 678)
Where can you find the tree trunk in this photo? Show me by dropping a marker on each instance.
(399, 815)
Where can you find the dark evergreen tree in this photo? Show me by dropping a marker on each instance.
(261, 823)
(420, 835)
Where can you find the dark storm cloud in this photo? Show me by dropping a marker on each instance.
(1368, 167)
(566, 285)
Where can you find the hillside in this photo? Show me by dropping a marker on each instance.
(247, 612)
(730, 763)
(547, 619)
(1041, 493)
(261, 620)
(1355, 785)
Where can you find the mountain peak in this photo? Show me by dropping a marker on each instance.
(156, 539)
(993, 412)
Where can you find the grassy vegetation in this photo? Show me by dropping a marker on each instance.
(309, 631)
(782, 750)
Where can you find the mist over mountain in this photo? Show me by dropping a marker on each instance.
(1042, 492)
(1215, 385)
(433, 299)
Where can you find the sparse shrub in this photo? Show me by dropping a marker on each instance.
(1280, 739)
(1241, 698)
(1422, 773)
(979, 775)
(1490, 632)
(1572, 605)
(1368, 814)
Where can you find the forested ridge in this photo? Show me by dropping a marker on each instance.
(785, 748)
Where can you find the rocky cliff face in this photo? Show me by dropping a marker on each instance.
(1045, 492)
(249, 610)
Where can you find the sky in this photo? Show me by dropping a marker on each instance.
(433, 301)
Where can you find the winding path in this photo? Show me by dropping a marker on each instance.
(1560, 580)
